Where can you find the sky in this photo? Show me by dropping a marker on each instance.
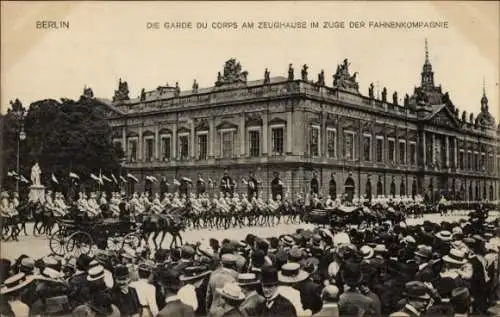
(109, 41)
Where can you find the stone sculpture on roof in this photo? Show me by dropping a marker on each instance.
(122, 93)
(343, 79)
(232, 74)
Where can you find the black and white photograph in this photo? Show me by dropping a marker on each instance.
(248, 159)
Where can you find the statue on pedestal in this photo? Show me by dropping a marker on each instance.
(35, 174)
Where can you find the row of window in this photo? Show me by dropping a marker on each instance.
(227, 145)
(476, 163)
(349, 146)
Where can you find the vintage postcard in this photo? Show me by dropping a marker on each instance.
(284, 158)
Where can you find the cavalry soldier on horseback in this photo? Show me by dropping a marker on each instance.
(82, 203)
(5, 206)
(200, 186)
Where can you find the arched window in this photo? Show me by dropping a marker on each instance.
(380, 188)
(414, 188)
(477, 196)
(368, 190)
(393, 189)
(402, 188)
(471, 196)
(349, 188)
(333, 188)
(491, 192)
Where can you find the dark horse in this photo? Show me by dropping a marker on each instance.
(172, 222)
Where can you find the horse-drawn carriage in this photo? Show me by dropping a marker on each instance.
(352, 215)
(84, 236)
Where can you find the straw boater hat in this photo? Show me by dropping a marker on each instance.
(231, 291)
(194, 272)
(444, 235)
(15, 283)
(245, 279)
(291, 273)
(367, 252)
(455, 256)
(95, 273)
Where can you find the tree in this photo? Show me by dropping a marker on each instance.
(65, 136)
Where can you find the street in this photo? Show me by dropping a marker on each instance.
(38, 247)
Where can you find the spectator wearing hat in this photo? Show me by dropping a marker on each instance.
(226, 273)
(442, 305)
(125, 297)
(96, 285)
(174, 307)
(416, 299)
(423, 258)
(479, 280)
(12, 291)
(232, 296)
(78, 284)
(195, 280)
(146, 291)
(330, 307)
(456, 266)
(353, 300)
(187, 257)
(290, 276)
(461, 301)
(250, 284)
(275, 304)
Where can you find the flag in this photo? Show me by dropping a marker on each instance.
(24, 180)
(210, 181)
(100, 177)
(106, 178)
(12, 173)
(132, 177)
(187, 179)
(123, 179)
(9, 173)
(73, 175)
(54, 179)
(153, 179)
(114, 178)
(244, 181)
(97, 179)
(176, 182)
(201, 180)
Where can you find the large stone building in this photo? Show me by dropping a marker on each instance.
(291, 125)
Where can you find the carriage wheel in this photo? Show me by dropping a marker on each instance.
(57, 243)
(115, 243)
(79, 243)
(132, 240)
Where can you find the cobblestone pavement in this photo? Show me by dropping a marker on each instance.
(38, 246)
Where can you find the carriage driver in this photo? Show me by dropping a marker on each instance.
(93, 208)
(114, 205)
(49, 203)
(60, 209)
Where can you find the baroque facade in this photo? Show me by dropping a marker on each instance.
(294, 126)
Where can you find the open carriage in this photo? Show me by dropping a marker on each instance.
(84, 236)
(353, 215)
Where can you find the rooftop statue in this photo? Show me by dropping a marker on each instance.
(232, 73)
(122, 92)
(343, 78)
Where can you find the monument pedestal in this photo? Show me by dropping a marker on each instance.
(37, 194)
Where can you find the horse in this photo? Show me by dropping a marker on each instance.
(173, 223)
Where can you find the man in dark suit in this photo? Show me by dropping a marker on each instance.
(173, 306)
(276, 186)
(275, 304)
(200, 185)
(330, 307)
(253, 187)
(310, 295)
(314, 183)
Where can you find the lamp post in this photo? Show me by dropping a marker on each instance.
(21, 137)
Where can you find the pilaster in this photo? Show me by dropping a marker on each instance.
(242, 135)
(265, 129)
(140, 156)
(157, 142)
(211, 136)
(289, 132)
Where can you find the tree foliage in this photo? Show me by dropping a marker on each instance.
(62, 136)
